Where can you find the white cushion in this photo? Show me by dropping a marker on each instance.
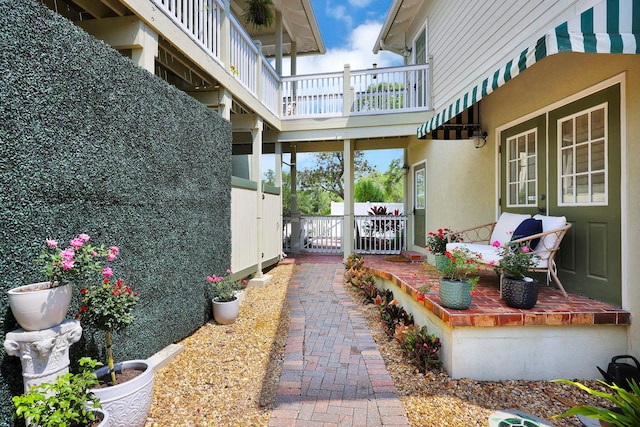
(548, 242)
(487, 253)
(506, 225)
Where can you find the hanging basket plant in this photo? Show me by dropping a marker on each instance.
(259, 13)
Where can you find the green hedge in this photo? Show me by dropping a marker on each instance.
(91, 143)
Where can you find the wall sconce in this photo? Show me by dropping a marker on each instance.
(405, 168)
(406, 51)
(479, 138)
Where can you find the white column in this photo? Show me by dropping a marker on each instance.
(256, 174)
(145, 57)
(278, 41)
(44, 354)
(348, 177)
(295, 214)
(225, 99)
(225, 33)
(279, 183)
(348, 95)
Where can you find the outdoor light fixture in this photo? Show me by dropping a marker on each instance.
(406, 51)
(405, 168)
(479, 138)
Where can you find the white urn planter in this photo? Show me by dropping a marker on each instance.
(225, 313)
(37, 307)
(127, 403)
(102, 415)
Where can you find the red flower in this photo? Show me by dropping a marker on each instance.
(421, 297)
(83, 308)
(83, 291)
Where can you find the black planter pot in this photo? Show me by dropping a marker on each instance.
(520, 293)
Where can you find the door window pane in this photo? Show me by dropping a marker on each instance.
(522, 169)
(420, 189)
(583, 158)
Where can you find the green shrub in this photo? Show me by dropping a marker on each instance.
(421, 347)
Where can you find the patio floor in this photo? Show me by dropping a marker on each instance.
(487, 309)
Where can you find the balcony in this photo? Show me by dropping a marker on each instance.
(339, 94)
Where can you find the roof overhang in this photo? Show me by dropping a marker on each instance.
(611, 26)
(399, 19)
(299, 25)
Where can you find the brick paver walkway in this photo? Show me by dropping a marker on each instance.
(333, 373)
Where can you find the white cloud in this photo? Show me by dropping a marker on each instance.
(358, 52)
(340, 13)
(359, 3)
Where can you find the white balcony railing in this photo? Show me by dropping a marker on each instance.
(350, 92)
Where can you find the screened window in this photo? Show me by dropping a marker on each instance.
(522, 176)
(583, 157)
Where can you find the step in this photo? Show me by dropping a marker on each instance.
(412, 256)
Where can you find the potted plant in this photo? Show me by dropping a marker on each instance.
(437, 244)
(68, 401)
(225, 303)
(108, 307)
(43, 305)
(259, 13)
(626, 410)
(457, 282)
(518, 290)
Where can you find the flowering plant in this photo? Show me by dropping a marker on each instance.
(515, 260)
(437, 241)
(108, 307)
(224, 287)
(74, 263)
(461, 264)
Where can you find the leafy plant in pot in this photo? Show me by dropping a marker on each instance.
(437, 244)
(458, 279)
(108, 307)
(225, 303)
(518, 290)
(43, 305)
(66, 402)
(259, 13)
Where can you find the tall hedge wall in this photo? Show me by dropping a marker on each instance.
(91, 143)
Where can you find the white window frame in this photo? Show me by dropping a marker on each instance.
(534, 203)
(604, 106)
(424, 28)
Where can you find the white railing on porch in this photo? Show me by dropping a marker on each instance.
(349, 92)
(321, 234)
(324, 234)
(379, 234)
(199, 19)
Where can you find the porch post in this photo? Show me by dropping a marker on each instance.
(295, 215)
(348, 177)
(256, 175)
(225, 33)
(278, 30)
(279, 185)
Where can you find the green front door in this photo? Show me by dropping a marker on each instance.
(584, 186)
(419, 205)
(572, 169)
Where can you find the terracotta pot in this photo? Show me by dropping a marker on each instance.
(225, 313)
(127, 403)
(38, 307)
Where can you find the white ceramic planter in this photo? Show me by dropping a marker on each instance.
(226, 313)
(103, 415)
(127, 403)
(38, 307)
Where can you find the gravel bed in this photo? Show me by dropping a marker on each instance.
(228, 375)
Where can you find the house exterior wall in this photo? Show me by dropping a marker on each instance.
(494, 32)
(557, 78)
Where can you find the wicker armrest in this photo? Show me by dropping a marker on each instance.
(546, 245)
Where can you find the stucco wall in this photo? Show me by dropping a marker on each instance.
(462, 180)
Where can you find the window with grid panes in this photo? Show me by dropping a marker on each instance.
(583, 158)
(522, 179)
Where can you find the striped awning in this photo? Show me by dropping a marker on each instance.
(612, 26)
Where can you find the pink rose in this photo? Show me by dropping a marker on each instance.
(111, 256)
(77, 243)
(496, 244)
(209, 279)
(84, 237)
(52, 243)
(67, 254)
(114, 249)
(94, 254)
(525, 249)
(107, 272)
(67, 264)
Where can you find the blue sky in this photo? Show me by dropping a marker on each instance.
(349, 30)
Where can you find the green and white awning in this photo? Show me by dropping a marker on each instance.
(612, 26)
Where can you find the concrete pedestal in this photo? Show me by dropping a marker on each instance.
(44, 354)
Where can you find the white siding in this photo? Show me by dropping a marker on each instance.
(470, 40)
